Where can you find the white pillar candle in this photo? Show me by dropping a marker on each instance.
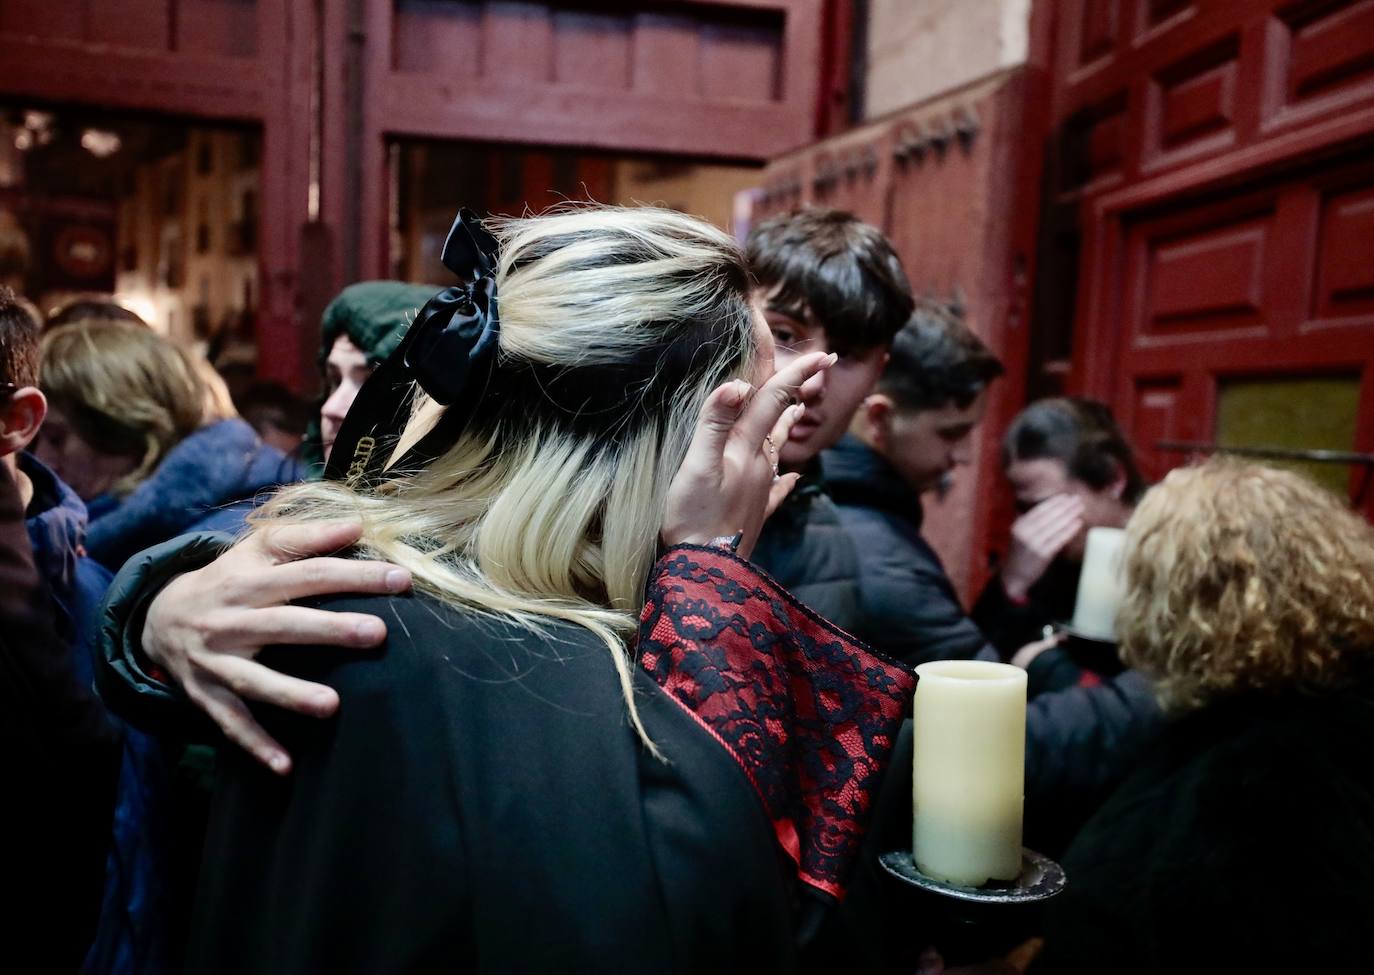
(1100, 584)
(969, 782)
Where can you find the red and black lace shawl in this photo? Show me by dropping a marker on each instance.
(807, 711)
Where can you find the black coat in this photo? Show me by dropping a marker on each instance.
(806, 549)
(61, 763)
(1010, 626)
(481, 803)
(908, 606)
(1244, 842)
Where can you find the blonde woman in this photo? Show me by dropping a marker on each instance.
(595, 738)
(1245, 841)
(151, 447)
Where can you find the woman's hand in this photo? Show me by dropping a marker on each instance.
(205, 627)
(728, 482)
(1037, 538)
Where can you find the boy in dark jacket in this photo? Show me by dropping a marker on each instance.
(63, 750)
(828, 282)
(908, 437)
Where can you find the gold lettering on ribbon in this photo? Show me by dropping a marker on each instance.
(362, 453)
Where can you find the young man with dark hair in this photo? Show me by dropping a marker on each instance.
(827, 282)
(907, 439)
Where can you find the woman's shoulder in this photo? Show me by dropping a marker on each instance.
(465, 661)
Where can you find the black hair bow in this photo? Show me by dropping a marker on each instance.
(449, 350)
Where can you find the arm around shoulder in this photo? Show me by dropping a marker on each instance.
(125, 678)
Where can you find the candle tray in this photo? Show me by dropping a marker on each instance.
(1041, 878)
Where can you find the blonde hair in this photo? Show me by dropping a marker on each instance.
(1246, 578)
(125, 389)
(616, 324)
(219, 402)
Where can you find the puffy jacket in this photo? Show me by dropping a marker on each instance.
(805, 547)
(208, 482)
(56, 523)
(909, 608)
(61, 755)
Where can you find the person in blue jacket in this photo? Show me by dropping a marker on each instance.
(132, 431)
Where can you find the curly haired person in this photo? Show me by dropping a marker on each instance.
(1245, 840)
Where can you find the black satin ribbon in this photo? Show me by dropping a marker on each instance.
(448, 350)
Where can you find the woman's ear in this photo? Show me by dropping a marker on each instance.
(20, 417)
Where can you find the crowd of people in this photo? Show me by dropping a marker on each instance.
(575, 630)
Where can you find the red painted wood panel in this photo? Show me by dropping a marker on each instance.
(1215, 172)
(143, 24)
(592, 49)
(1155, 12)
(741, 62)
(54, 20)
(1205, 280)
(438, 36)
(1195, 102)
(221, 27)
(666, 57)
(1100, 24)
(1332, 47)
(517, 43)
(1157, 414)
(1345, 257)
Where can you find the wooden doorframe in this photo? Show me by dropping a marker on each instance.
(270, 91)
(395, 105)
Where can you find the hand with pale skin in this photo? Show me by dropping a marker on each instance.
(206, 627)
(728, 482)
(1037, 537)
(1026, 656)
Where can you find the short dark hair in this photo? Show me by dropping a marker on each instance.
(265, 403)
(20, 333)
(95, 308)
(936, 360)
(831, 268)
(1080, 433)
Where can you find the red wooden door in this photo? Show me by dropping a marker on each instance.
(1210, 197)
(731, 79)
(224, 60)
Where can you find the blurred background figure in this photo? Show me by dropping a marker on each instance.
(15, 254)
(278, 415)
(132, 429)
(1245, 839)
(92, 308)
(361, 327)
(1070, 469)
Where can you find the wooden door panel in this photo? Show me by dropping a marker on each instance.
(1345, 265)
(1204, 281)
(224, 28)
(1193, 104)
(1217, 157)
(431, 33)
(1156, 415)
(1322, 55)
(1099, 30)
(592, 49)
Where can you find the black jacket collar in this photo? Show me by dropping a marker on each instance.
(857, 475)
